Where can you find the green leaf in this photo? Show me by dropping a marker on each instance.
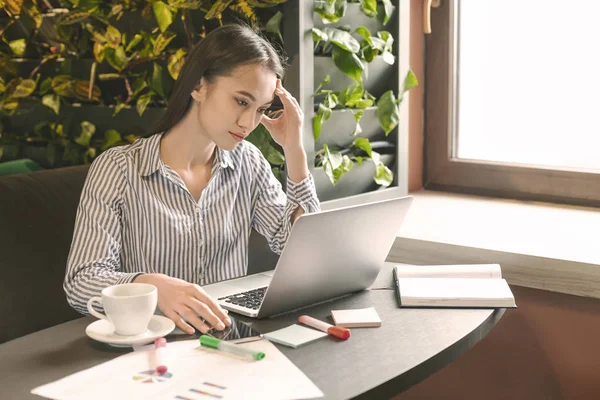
(72, 18)
(365, 34)
(387, 38)
(89, 155)
(388, 8)
(335, 164)
(275, 157)
(143, 102)
(163, 15)
(353, 94)
(116, 57)
(363, 144)
(9, 105)
(176, 63)
(343, 39)
(18, 47)
(410, 81)
(157, 83)
(134, 42)
(111, 137)
(383, 176)
(348, 63)
(87, 131)
(24, 88)
(388, 114)
(119, 107)
(113, 37)
(139, 85)
(99, 51)
(162, 41)
(369, 7)
(273, 25)
(278, 174)
(388, 42)
(45, 86)
(261, 138)
(331, 10)
(35, 14)
(217, 9)
(52, 101)
(323, 114)
(318, 35)
(116, 10)
(330, 100)
(357, 115)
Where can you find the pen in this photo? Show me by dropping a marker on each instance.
(209, 341)
(336, 331)
(159, 350)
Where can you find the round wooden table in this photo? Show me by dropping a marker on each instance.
(379, 362)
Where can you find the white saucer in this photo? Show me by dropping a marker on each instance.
(103, 331)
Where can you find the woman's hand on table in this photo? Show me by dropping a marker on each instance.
(186, 304)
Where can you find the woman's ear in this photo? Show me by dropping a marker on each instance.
(199, 92)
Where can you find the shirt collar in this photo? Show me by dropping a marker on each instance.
(150, 156)
(223, 157)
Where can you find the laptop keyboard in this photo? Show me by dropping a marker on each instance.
(250, 299)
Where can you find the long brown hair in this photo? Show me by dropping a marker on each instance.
(218, 54)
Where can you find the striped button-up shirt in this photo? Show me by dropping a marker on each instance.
(137, 216)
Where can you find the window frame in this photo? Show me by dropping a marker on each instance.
(445, 171)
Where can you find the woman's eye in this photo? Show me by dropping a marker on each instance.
(243, 103)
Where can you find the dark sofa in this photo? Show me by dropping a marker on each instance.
(37, 214)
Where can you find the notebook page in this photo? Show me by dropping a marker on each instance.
(457, 291)
(479, 271)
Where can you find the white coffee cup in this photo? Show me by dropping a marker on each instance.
(129, 307)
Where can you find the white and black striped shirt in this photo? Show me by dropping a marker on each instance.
(136, 216)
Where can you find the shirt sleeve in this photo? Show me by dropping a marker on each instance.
(273, 209)
(94, 259)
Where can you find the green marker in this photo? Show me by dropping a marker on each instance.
(209, 341)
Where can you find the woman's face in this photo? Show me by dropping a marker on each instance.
(231, 106)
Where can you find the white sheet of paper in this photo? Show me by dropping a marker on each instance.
(194, 373)
(294, 335)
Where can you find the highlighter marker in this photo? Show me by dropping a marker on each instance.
(159, 349)
(212, 342)
(336, 331)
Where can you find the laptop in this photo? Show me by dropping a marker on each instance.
(329, 254)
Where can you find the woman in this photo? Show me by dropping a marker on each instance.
(176, 209)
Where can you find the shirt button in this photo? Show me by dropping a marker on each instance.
(198, 210)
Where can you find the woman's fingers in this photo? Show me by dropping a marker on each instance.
(203, 310)
(213, 308)
(190, 316)
(180, 323)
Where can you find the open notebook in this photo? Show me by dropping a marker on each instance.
(457, 286)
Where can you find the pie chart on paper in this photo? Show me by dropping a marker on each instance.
(151, 376)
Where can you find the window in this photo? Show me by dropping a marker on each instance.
(512, 99)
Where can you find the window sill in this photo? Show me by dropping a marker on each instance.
(538, 245)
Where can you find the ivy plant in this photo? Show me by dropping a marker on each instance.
(116, 54)
(352, 57)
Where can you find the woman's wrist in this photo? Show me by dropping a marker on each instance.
(147, 278)
(295, 159)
